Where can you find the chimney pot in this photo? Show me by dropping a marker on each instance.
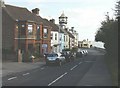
(52, 20)
(36, 11)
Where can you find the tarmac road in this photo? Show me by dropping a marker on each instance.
(92, 71)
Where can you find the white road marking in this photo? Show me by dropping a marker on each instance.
(80, 62)
(57, 79)
(73, 67)
(26, 74)
(42, 68)
(89, 61)
(12, 78)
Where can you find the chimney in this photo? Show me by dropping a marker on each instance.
(52, 20)
(36, 11)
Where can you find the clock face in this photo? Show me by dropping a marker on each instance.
(63, 19)
(63, 27)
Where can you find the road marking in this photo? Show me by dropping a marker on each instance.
(89, 61)
(26, 74)
(73, 67)
(57, 79)
(80, 62)
(42, 68)
(12, 78)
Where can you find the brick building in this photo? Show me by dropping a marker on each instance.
(25, 31)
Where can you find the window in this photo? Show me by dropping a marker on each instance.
(45, 32)
(38, 33)
(23, 25)
(30, 30)
(60, 38)
(64, 38)
(85, 44)
(51, 35)
(55, 36)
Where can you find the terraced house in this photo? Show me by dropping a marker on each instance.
(57, 37)
(24, 31)
(70, 35)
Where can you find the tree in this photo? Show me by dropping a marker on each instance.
(108, 32)
(117, 10)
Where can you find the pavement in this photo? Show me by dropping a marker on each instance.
(14, 67)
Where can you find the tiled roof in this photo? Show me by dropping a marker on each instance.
(70, 35)
(65, 32)
(54, 27)
(19, 13)
(23, 14)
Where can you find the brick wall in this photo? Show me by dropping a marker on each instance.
(8, 26)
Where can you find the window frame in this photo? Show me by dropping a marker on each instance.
(30, 30)
(55, 36)
(45, 34)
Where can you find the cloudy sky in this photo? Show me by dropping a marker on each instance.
(84, 15)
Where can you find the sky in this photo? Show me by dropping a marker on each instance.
(84, 15)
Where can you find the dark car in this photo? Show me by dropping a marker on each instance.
(69, 56)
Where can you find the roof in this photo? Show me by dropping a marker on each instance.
(19, 13)
(54, 27)
(23, 14)
(64, 31)
(46, 22)
(61, 31)
(63, 15)
(70, 35)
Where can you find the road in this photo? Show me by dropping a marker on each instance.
(69, 74)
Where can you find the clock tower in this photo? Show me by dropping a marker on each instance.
(63, 21)
(2, 3)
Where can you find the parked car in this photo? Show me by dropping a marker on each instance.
(69, 56)
(72, 56)
(57, 58)
(85, 52)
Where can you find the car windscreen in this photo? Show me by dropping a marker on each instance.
(51, 55)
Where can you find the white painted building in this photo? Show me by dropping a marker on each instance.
(63, 27)
(57, 37)
(85, 44)
(54, 36)
(75, 34)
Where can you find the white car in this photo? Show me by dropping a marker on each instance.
(85, 52)
(57, 58)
